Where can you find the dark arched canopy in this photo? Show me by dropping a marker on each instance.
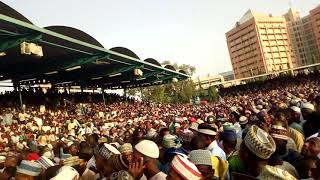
(182, 71)
(8, 11)
(152, 61)
(168, 66)
(74, 33)
(125, 51)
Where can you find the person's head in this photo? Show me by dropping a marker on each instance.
(306, 110)
(229, 140)
(74, 149)
(295, 114)
(207, 134)
(52, 171)
(11, 161)
(28, 170)
(85, 155)
(280, 135)
(105, 152)
(146, 150)
(311, 148)
(181, 169)
(126, 151)
(66, 173)
(256, 149)
(93, 140)
(307, 168)
(202, 160)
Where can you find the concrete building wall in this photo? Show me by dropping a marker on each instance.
(259, 44)
(304, 44)
(314, 20)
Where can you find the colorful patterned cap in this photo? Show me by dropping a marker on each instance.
(273, 173)
(169, 141)
(29, 168)
(243, 120)
(186, 135)
(45, 162)
(121, 175)
(279, 132)
(118, 162)
(185, 168)
(259, 142)
(107, 150)
(71, 161)
(126, 147)
(200, 157)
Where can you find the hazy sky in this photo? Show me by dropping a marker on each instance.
(182, 31)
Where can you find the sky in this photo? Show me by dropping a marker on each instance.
(182, 31)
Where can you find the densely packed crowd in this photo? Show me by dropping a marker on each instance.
(264, 130)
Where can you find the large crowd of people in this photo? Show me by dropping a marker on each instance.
(262, 130)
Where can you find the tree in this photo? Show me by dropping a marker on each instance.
(212, 94)
(178, 92)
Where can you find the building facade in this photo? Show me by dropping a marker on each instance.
(259, 44)
(302, 37)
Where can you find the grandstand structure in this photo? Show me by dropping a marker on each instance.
(64, 56)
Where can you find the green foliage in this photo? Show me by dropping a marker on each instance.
(178, 92)
(212, 94)
(190, 70)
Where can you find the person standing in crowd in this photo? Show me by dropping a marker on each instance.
(207, 138)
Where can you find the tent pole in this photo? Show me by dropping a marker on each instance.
(20, 96)
(104, 100)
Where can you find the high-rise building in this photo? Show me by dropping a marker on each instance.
(313, 34)
(258, 44)
(302, 37)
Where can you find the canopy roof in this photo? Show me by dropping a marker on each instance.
(72, 57)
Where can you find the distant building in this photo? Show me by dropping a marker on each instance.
(227, 76)
(302, 36)
(259, 44)
(207, 80)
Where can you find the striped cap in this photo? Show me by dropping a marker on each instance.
(29, 168)
(45, 162)
(279, 132)
(185, 168)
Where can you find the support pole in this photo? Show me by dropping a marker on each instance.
(104, 100)
(20, 96)
(125, 93)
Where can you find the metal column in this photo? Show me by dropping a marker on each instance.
(20, 96)
(104, 100)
